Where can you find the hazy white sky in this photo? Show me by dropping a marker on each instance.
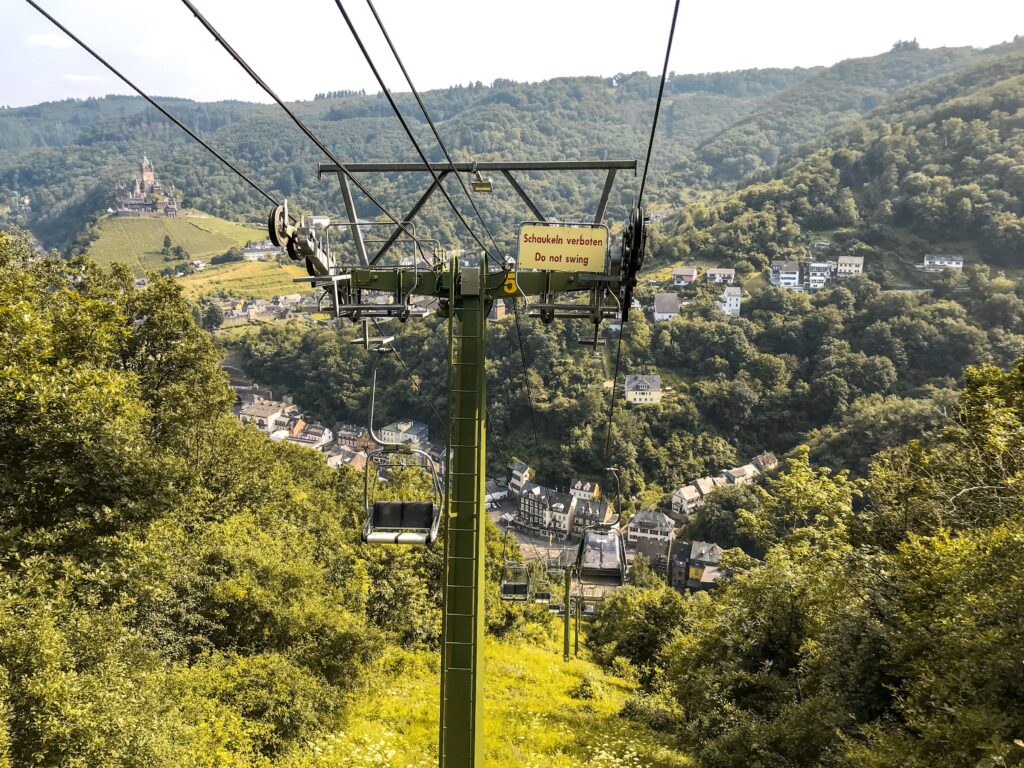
(301, 47)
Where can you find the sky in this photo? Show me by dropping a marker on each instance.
(303, 47)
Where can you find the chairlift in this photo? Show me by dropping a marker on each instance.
(601, 559)
(542, 598)
(515, 582)
(398, 522)
(515, 578)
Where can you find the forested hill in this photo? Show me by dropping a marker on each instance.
(66, 156)
(941, 166)
(808, 111)
(714, 128)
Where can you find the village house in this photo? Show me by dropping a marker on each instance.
(287, 425)
(666, 307)
(643, 388)
(312, 436)
(345, 456)
(937, 262)
(679, 559)
(683, 276)
(493, 493)
(685, 501)
(765, 462)
(407, 431)
(702, 568)
(650, 525)
(819, 274)
(499, 311)
(744, 475)
(589, 512)
(585, 489)
(785, 274)
(352, 435)
(263, 414)
(720, 276)
(689, 498)
(521, 475)
(730, 300)
(545, 510)
(708, 484)
(848, 266)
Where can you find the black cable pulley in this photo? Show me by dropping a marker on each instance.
(634, 244)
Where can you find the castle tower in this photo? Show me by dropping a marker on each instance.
(148, 175)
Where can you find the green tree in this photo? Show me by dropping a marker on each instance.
(213, 317)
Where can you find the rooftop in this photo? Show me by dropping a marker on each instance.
(786, 266)
(652, 518)
(666, 304)
(643, 381)
(706, 551)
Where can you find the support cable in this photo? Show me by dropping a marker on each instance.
(412, 381)
(412, 138)
(430, 122)
(657, 106)
(448, 157)
(297, 120)
(640, 198)
(152, 102)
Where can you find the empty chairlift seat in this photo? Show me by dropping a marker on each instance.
(515, 582)
(402, 522)
(601, 559)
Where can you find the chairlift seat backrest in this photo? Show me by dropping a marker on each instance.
(403, 514)
(402, 522)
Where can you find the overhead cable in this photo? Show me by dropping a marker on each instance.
(296, 119)
(448, 157)
(640, 197)
(657, 106)
(152, 102)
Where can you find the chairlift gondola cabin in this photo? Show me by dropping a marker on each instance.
(400, 522)
(601, 560)
(542, 598)
(515, 582)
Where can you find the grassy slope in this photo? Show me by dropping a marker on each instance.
(138, 242)
(246, 279)
(531, 721)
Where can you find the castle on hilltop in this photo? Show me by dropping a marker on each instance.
(145, 196)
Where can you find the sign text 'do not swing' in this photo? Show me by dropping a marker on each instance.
(563, 247)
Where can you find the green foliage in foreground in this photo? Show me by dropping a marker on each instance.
(175, 589)
(886, 632)
(535, 717)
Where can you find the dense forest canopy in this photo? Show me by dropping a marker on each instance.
(178, 590)
(66, 156)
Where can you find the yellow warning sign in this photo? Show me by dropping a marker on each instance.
(563, 247)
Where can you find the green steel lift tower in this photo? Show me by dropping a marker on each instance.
(557, 263)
